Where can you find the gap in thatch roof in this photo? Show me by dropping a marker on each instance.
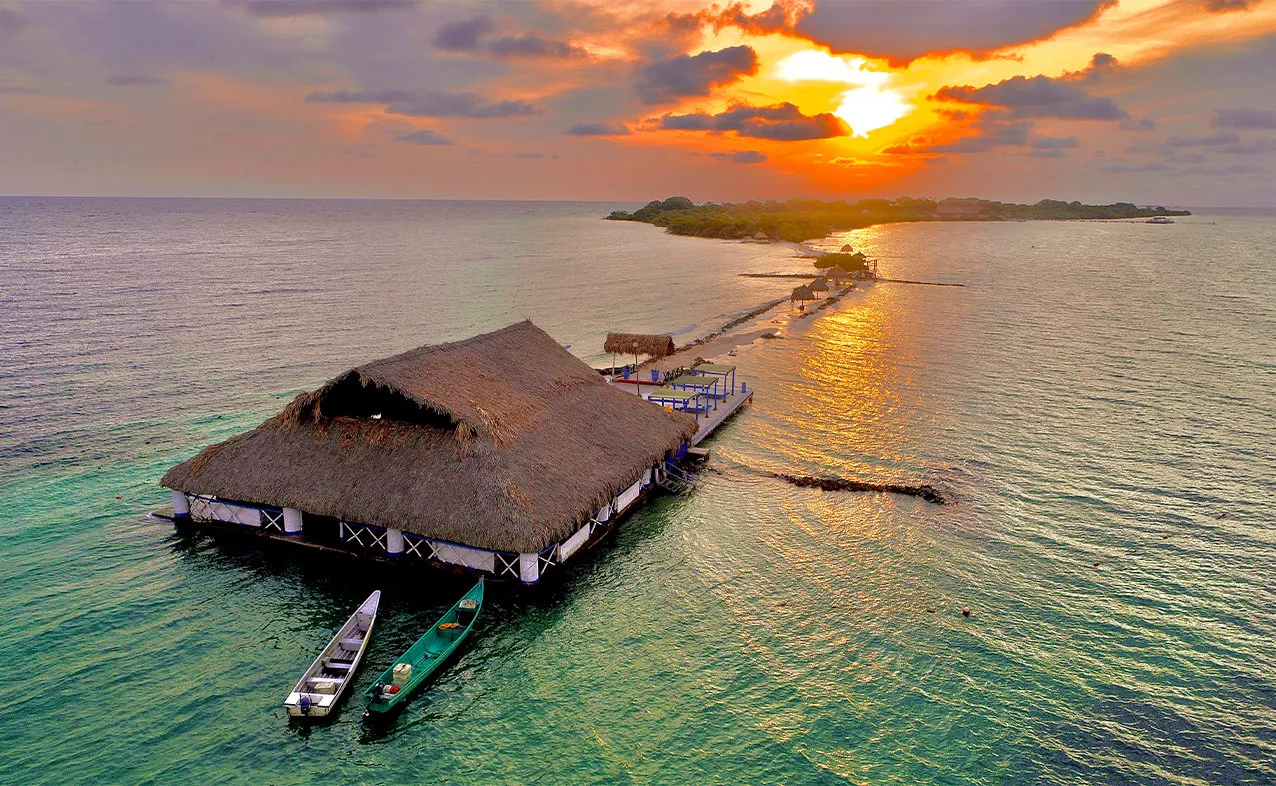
(352, 397)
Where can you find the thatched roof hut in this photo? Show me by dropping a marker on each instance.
(802, 293)
(820, 284)
(656, 346)
(846, 249)
(504, 441)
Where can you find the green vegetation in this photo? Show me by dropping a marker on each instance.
(848, 262)
(806, 219)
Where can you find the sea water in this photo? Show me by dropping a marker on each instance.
(1097, 402)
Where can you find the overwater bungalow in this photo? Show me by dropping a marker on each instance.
(502, 454)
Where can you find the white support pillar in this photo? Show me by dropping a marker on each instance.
(292, 521)
(529, 568)
(394, 542)
(181, 506)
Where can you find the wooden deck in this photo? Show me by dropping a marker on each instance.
(716, 417)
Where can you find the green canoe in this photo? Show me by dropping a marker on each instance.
(422, 659)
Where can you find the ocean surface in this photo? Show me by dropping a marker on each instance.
(1098, 401)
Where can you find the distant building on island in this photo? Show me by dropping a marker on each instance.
(959, 208)
(501, 453)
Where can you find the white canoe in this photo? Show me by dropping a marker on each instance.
(326, 681)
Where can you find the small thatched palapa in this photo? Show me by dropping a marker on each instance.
(504, 441)
(802, 293)
(656, 346)
(820, 285)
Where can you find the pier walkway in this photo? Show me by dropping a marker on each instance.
(716, 417)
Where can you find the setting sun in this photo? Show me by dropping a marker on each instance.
(871, 103)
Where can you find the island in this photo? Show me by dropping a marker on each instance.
(799, 220)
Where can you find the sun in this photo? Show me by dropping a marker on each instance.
(869, 103)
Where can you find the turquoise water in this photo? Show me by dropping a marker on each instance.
(1098, 401)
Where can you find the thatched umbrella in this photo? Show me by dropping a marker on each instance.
(846, 249)
(801, 295)
(819, 285)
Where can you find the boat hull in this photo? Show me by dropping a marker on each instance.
(428, 654)
(321, 688)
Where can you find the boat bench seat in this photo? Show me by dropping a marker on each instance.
(337, 665)
(352, 644)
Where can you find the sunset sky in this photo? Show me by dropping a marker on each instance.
(1152, 101)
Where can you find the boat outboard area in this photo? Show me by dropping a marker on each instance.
(501, 455)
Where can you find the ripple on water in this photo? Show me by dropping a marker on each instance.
(1097, 411)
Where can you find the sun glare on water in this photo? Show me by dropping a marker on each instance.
(869, 104)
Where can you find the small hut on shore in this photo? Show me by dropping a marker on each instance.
(801, 296)
(653, 345)
(846, 249)
(501, 453)
(820, 287)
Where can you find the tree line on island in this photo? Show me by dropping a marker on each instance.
(798, 220)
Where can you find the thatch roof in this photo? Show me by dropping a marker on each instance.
(503, 441)
(819, 285)
(656, 346)
(846, 249)
(802, 293)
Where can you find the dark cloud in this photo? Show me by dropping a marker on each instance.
(1038, 96)
(1252, 147)
(15, 90)
(1190, 158)
(268, 9)
(135, 80)
(906, 31)
(11, 21)
(358, 96)
(598, 129)
(1055, 142)
(741, 157)
(1223, 6)
(1243, 118)
(782, 15)
(429, 104)
(1153, 166)
(528, 155)
(1055, 153)
(1230, 169)
(532, 45)
(993, 129)
(424, 137)
(1149, 147)
(463, 36)
(781, 122)
(1142, 124)
(665, 81)
(1226, 138)
(1101, 65)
